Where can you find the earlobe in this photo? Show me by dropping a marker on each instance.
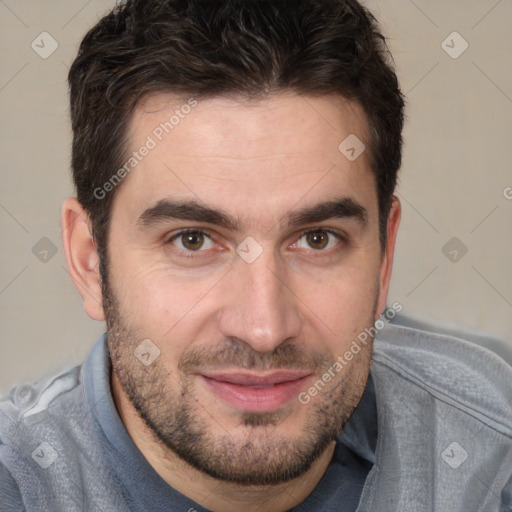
(389, 251)
(82, 257)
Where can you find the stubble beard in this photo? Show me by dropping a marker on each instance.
(264, 455)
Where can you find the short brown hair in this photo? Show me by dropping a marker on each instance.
(204, 48)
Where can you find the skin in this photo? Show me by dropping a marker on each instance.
(298, 305)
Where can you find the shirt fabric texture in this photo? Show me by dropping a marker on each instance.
(432, 432)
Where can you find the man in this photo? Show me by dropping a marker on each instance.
(235, 163)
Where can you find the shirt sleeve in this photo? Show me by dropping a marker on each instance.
(506, 497)
(10, 496)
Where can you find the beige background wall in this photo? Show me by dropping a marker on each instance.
(456, 177)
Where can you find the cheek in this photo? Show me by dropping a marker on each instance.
(344, 302)
(162, 306)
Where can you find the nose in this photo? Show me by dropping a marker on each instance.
(260, 308)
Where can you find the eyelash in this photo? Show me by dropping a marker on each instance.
(195, 254)
(338, 236)
(188, 254)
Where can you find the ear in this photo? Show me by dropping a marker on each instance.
(388, 253)
(82, 257)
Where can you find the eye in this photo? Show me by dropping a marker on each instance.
(192, 240)
(318, 239)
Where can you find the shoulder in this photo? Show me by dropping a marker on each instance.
(34, 399)
(41, 426)
(37, 417)
(457, 372)
(10, 495)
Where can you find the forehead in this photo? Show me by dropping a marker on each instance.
(303, 124)
(229, 149)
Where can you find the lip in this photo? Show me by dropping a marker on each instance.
(255, 392)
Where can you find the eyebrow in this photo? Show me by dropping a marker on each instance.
(165, 209)
(342, 208)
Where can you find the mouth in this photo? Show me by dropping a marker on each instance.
(255, 392)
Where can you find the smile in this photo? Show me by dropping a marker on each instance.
(251, 392)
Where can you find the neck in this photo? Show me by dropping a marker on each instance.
(216, 495)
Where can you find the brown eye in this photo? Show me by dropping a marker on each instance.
(317, 239)
(192, 240)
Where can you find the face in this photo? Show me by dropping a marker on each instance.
(244, 259)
